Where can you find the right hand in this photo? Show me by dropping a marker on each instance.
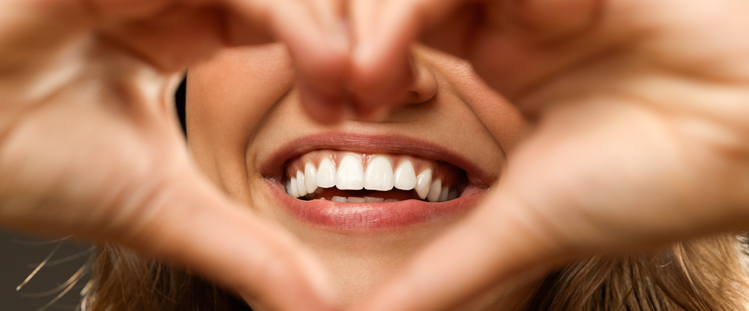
(89, 145)
(641, 136)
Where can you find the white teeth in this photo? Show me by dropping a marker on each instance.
(356, 200)
(326, 174)
(294, 191)
(443, 194)
(300, 184)
(379, 175)
(405, 177)
(310, 181)
(350, 174)
(423, 181)
(452, 195)
(434, 191)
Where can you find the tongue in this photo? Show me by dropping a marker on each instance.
(392, 194)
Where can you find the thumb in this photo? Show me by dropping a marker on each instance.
(194, 224)
(496, 244)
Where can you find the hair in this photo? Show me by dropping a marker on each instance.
(708, 274)
(124, 281)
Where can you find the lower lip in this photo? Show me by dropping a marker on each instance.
(371, 216)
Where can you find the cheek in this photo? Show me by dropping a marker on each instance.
(227, 97)
(503, 120)
(236, 88)
(262, 202)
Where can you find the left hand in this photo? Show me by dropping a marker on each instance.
(641, 138)
(89, 145)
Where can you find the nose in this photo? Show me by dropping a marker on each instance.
(423, 87)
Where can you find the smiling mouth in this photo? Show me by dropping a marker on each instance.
(348, 177)
(359, 183)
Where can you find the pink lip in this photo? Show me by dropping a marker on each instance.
(370, 216)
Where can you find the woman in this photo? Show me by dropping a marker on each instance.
(365, 195)
(642, 101)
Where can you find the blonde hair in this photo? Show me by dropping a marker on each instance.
(707, 274)
(704, 275)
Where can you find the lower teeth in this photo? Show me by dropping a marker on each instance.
(359, 200)
(369, 196)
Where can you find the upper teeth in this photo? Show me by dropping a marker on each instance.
(379, 175)
(424, 182)
(311, 177)
(326, 175)
(350, 174)
(404, 177)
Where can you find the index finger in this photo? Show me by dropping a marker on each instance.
(315, 34)
(383, 32)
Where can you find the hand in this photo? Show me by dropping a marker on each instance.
(641, 134)
(89, 144)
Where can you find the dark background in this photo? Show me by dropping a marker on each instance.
(20, 255)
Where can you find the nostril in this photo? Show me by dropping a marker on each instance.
(424, 86)
(414, 98)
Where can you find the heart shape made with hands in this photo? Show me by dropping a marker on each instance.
(581, 68)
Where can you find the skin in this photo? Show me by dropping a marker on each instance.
(244, 104)
(89, 145)
(106, 162)
(640, 136)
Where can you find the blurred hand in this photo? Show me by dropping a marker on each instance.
(89, 144)
(641, 134)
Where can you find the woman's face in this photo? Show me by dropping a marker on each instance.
(363, 195)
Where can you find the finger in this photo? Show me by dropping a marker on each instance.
(383, 31)
(315, 34)
(499, 37)
(498, 243)
(322, 75)
(172, 40)
(177, 33)
(120, 10)
(195, 225)
(555, 17)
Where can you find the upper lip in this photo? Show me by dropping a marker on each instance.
(389, 144)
